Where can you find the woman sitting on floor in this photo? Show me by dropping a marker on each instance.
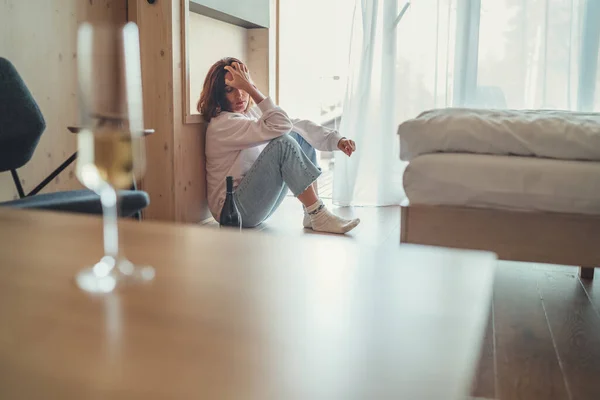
(264, 150)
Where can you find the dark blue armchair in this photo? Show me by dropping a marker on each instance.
(21, 126)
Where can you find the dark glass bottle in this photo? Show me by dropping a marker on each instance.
(230, 215)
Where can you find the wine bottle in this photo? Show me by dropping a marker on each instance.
(230, 215)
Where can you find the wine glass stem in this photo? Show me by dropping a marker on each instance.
(108, 198)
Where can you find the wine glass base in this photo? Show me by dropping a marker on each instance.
(125, 274)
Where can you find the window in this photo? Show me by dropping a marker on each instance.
(314, 40)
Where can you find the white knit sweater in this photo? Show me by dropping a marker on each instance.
(235, 140)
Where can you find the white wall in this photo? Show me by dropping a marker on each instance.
(255, 11)
(210, 40)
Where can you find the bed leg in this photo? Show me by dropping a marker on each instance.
(586, 273)
(403, 224)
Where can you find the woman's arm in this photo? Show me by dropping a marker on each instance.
(233, 131)
(256, 95)
(322, 138)
(318, 136)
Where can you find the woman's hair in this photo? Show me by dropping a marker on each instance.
(212, 99)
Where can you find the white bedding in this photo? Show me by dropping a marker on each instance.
(538, 133)
(505, 182)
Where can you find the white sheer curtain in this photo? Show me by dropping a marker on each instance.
(373, 175)
(519, 54)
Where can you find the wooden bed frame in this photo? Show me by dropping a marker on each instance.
(544, 237)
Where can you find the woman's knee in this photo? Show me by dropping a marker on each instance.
(306, 147)
(282, 145)
(285, 140)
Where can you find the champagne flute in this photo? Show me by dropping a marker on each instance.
(110, 145)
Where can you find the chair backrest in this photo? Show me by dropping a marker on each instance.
(21, 121)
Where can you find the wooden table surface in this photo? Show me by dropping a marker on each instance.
(235, 316)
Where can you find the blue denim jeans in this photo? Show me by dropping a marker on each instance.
(286, 162)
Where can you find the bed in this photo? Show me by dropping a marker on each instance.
(523, 184)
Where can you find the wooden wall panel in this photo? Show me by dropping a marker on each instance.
(258, 58)
(175, 177)
(190, 170)
(39, 38)
(101, 10)
(154, 22)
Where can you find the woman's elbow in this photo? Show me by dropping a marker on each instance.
(288, 126)
(281, 128)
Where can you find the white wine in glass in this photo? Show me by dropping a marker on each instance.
(110, 145)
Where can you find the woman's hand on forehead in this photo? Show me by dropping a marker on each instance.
(237, 76)
(228, 76)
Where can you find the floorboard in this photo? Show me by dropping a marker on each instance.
(526, 362)
(592, 288)
(575, 326)
(484, 384)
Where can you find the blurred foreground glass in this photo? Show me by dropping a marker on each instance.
(110, 146)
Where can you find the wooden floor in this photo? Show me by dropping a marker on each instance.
(543, 335)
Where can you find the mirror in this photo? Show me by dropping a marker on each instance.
(213, 29)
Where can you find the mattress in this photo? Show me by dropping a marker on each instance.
(536, 133)
(504, 182)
